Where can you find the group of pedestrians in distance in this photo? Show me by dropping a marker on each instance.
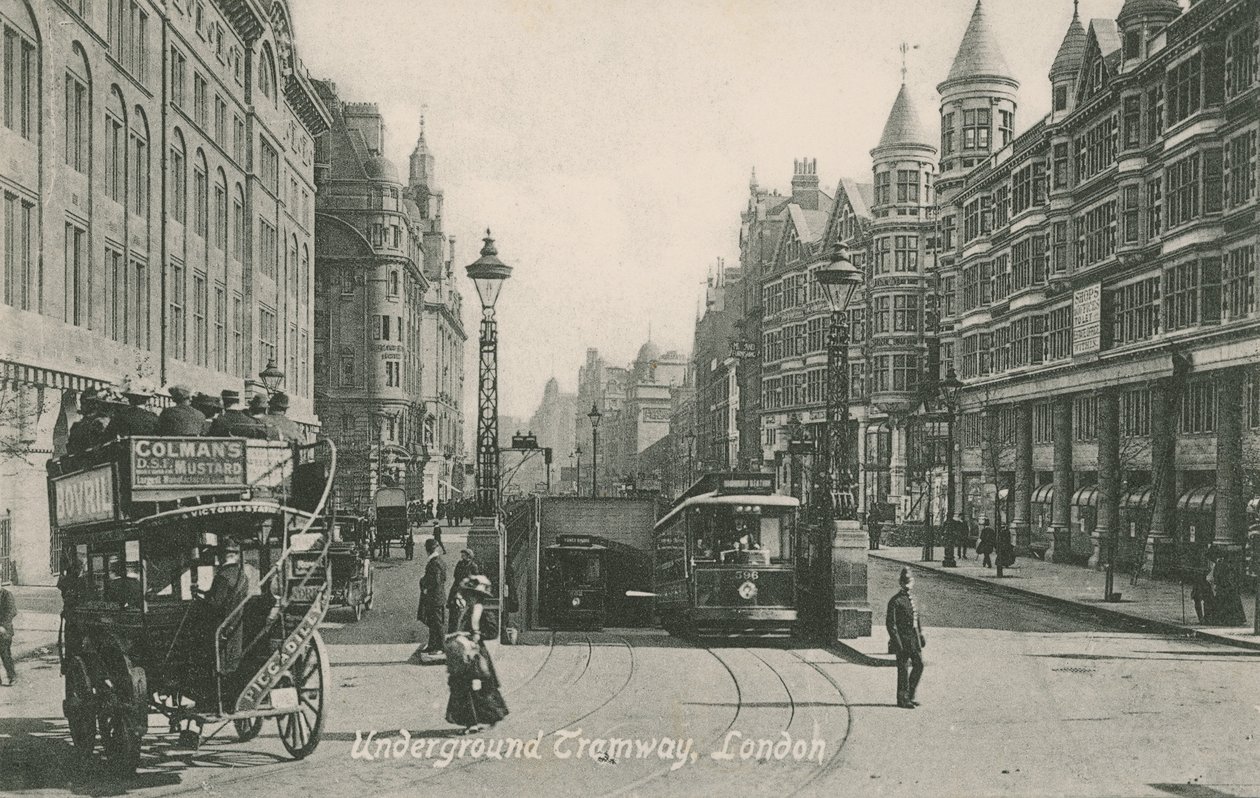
(454, 511)
(458, 627)
(109, 414)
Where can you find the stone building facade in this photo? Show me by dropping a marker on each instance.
(1103, 267)
(158, 174)
(369, 302)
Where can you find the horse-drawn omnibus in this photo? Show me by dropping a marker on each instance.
(723, 559)
(180, 595)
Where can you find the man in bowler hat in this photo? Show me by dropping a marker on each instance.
(181, 418)
(906, 640)
(89, 431)
(134, 418)
(235, 422)
(283, 427)
(433, 598)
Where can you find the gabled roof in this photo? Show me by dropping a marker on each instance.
(860, 195)
(904, 126)
(1107, 33)
(810, 225)
(979, 54)
(1071, 55)
(1102, 43)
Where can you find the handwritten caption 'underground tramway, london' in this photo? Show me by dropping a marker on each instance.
(573, 744)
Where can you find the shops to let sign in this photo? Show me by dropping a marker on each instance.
(1087, 320)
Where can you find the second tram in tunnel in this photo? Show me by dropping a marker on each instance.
(723, 559)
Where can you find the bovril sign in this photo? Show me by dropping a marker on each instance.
(85, 497)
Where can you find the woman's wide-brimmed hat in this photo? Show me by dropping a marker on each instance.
(477, 584)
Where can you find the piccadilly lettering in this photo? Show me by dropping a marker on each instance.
(281, 660)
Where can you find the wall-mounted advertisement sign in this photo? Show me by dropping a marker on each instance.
(1087, 320)
(85, 497)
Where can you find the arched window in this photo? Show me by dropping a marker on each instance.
(139, 163)
(393, 282)
(201, 195)
(178, 169)
(77, 120)
(116, 146)
(220, 211)
(267, 73)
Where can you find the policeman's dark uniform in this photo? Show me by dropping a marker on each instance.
(905, 639)
(181, 418)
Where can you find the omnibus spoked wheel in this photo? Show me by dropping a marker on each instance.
(309, 676)
(78, 706)
(123, 718)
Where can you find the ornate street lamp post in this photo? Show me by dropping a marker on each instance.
(488, 274)
(951, 387)
(594, 416)
(839, 279)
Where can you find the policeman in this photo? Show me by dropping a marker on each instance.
(181, 418)
(89, 431)
(235, 422)
(134, 418)
(277, 419)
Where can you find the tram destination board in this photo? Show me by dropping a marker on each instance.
(168, 468)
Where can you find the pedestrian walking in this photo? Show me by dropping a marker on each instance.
(1226, 580)
(437, 535)
(906, 640)
(987, 544)
(1201, 590)
(433, 598)
(409, 543)
(466, 567)
(8, 611)
(963, 540)
(475, 702)
(873, 531)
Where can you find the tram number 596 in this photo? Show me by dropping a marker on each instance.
(751, 575)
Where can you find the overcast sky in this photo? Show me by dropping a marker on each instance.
(608, 144)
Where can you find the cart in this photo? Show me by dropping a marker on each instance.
(391, 519)
(350, 565)
(184, 592)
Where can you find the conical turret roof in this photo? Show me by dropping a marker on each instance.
(904, 125)
(1071, 55)
(979, 54)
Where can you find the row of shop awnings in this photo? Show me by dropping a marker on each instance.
(1202, 499)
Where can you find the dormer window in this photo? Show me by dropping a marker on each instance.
(1060, 98)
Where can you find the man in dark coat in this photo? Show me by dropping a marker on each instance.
(283, 427)
(906, 640)
(8, 611)
(181, 418)
(234, 581)
(466, 567)
(210, 407)
(124, 589)
(258, 411)
(134, 418)
(91, 430)
(433, 598)
(234, 422)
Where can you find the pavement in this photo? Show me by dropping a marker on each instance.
(38, 619)
(1153, 604)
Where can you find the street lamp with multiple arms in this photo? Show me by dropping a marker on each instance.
(594, 416)
(951, 388)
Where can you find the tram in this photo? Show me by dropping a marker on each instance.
(180, 593)
(723, 559)
(574, 583)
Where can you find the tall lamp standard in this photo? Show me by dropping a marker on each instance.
(488, 274)
(594, 416)
(838, 278)
(577, 482)
(951, 387)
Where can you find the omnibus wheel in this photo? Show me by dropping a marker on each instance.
(124, 719)
(77, 706)
(309, 675)
(247, 728)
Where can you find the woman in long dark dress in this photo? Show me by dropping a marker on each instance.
(475, 701)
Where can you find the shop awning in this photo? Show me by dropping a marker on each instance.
(1138, 497)
(1085, 497)
(1044, 494)
(1198, 500)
